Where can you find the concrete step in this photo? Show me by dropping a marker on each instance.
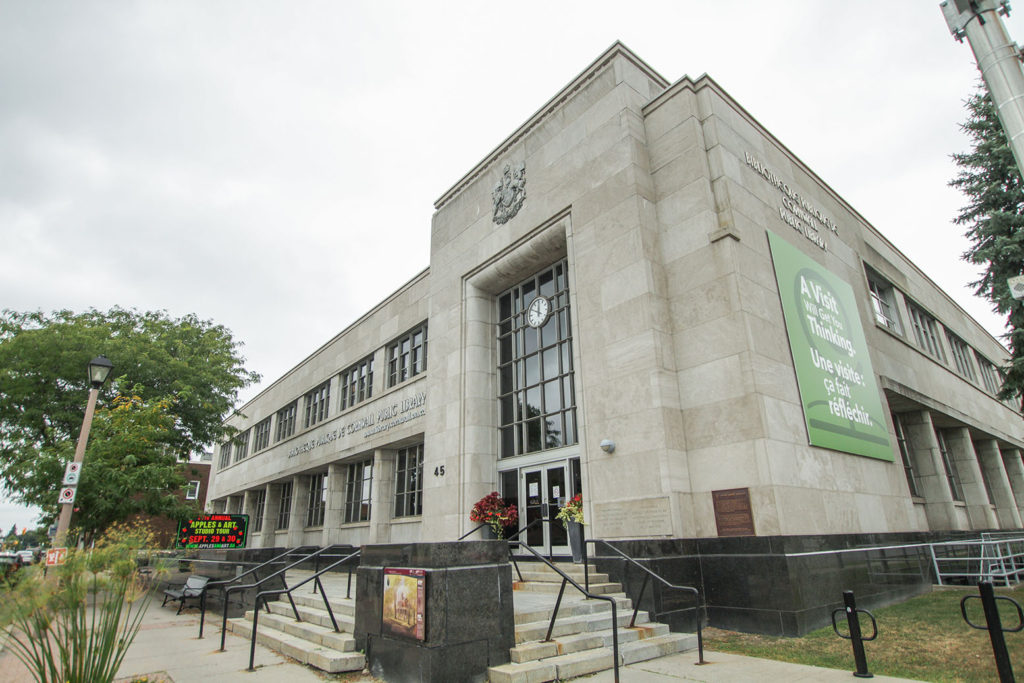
(313, 615)
(534, 574)
(344, 606)
(558, 665)
(553, 587)
(320, 635)
(583, 623)
(573, 570)
(573, 608)
(578, 642)
(315, 655)
(657, 646)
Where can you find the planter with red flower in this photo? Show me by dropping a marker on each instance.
(498, 514)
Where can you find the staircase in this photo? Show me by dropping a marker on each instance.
(313, 640)
(581, 642)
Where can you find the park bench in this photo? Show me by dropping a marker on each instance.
(194, 588)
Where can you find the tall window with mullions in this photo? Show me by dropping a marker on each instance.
(535, 373)
(409, 481)
(258, 509)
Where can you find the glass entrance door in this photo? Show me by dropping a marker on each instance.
(543, 491)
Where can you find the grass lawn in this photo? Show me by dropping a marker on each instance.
(924, 638)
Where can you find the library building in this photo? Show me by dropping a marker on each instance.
(642, 297)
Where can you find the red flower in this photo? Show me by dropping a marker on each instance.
(497, 513)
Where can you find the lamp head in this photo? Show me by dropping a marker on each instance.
(99, 370)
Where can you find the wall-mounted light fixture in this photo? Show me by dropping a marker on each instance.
(608, 446)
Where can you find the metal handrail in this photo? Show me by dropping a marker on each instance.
(277, 559)
(288, 591)
(259, 583)
(648, 574)
(586, 593)
(472, 531)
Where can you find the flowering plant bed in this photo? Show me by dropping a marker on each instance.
(493, 510)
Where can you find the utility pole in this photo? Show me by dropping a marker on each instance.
(998, 58)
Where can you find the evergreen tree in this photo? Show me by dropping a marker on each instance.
(994, 218)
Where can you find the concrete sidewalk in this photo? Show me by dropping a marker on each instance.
(167, 649)
(721, 666)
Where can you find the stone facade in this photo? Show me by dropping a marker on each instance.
(657, 199)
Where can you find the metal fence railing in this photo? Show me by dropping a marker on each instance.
(995, 557)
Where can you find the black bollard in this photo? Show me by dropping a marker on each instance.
(856, 638)
(994, 626)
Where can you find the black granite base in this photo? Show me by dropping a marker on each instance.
(469, 616)
(771, 585)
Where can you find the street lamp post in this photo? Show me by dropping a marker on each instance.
(99, 370)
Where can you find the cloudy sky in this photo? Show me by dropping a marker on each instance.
(272, 166)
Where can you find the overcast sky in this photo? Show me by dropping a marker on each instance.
(272, 166)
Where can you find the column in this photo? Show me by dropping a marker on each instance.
(300, 496)
(939, 508)
(965, 460)
(334, 515)
(991, 462)
(271, 507)
(1015, 473)
(382, 496)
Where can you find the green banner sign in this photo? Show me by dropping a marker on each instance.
(841, 402)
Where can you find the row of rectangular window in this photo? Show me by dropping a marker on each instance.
(407, 357)
(926, 334)
(358, 488)
(357, 383)
(316, 402)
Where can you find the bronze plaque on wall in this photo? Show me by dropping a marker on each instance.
(733, 515)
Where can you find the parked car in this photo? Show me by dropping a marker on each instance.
(9, 563)
(27, 556)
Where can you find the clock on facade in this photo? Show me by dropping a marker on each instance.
(538, 311)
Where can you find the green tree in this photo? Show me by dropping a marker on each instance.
(177, 378)
(994, 218)
(131, 466)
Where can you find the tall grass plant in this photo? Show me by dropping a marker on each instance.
(75, 622)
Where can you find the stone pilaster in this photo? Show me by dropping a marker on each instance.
(272, 509)
(1014, 466)
(382, 496)
(334, 514)
(965, 460)
(300, 496)
(991, 462)
(939, 507)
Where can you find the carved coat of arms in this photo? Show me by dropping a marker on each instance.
(509, 192)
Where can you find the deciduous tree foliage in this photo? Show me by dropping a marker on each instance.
(175, 380)
(994, 218)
